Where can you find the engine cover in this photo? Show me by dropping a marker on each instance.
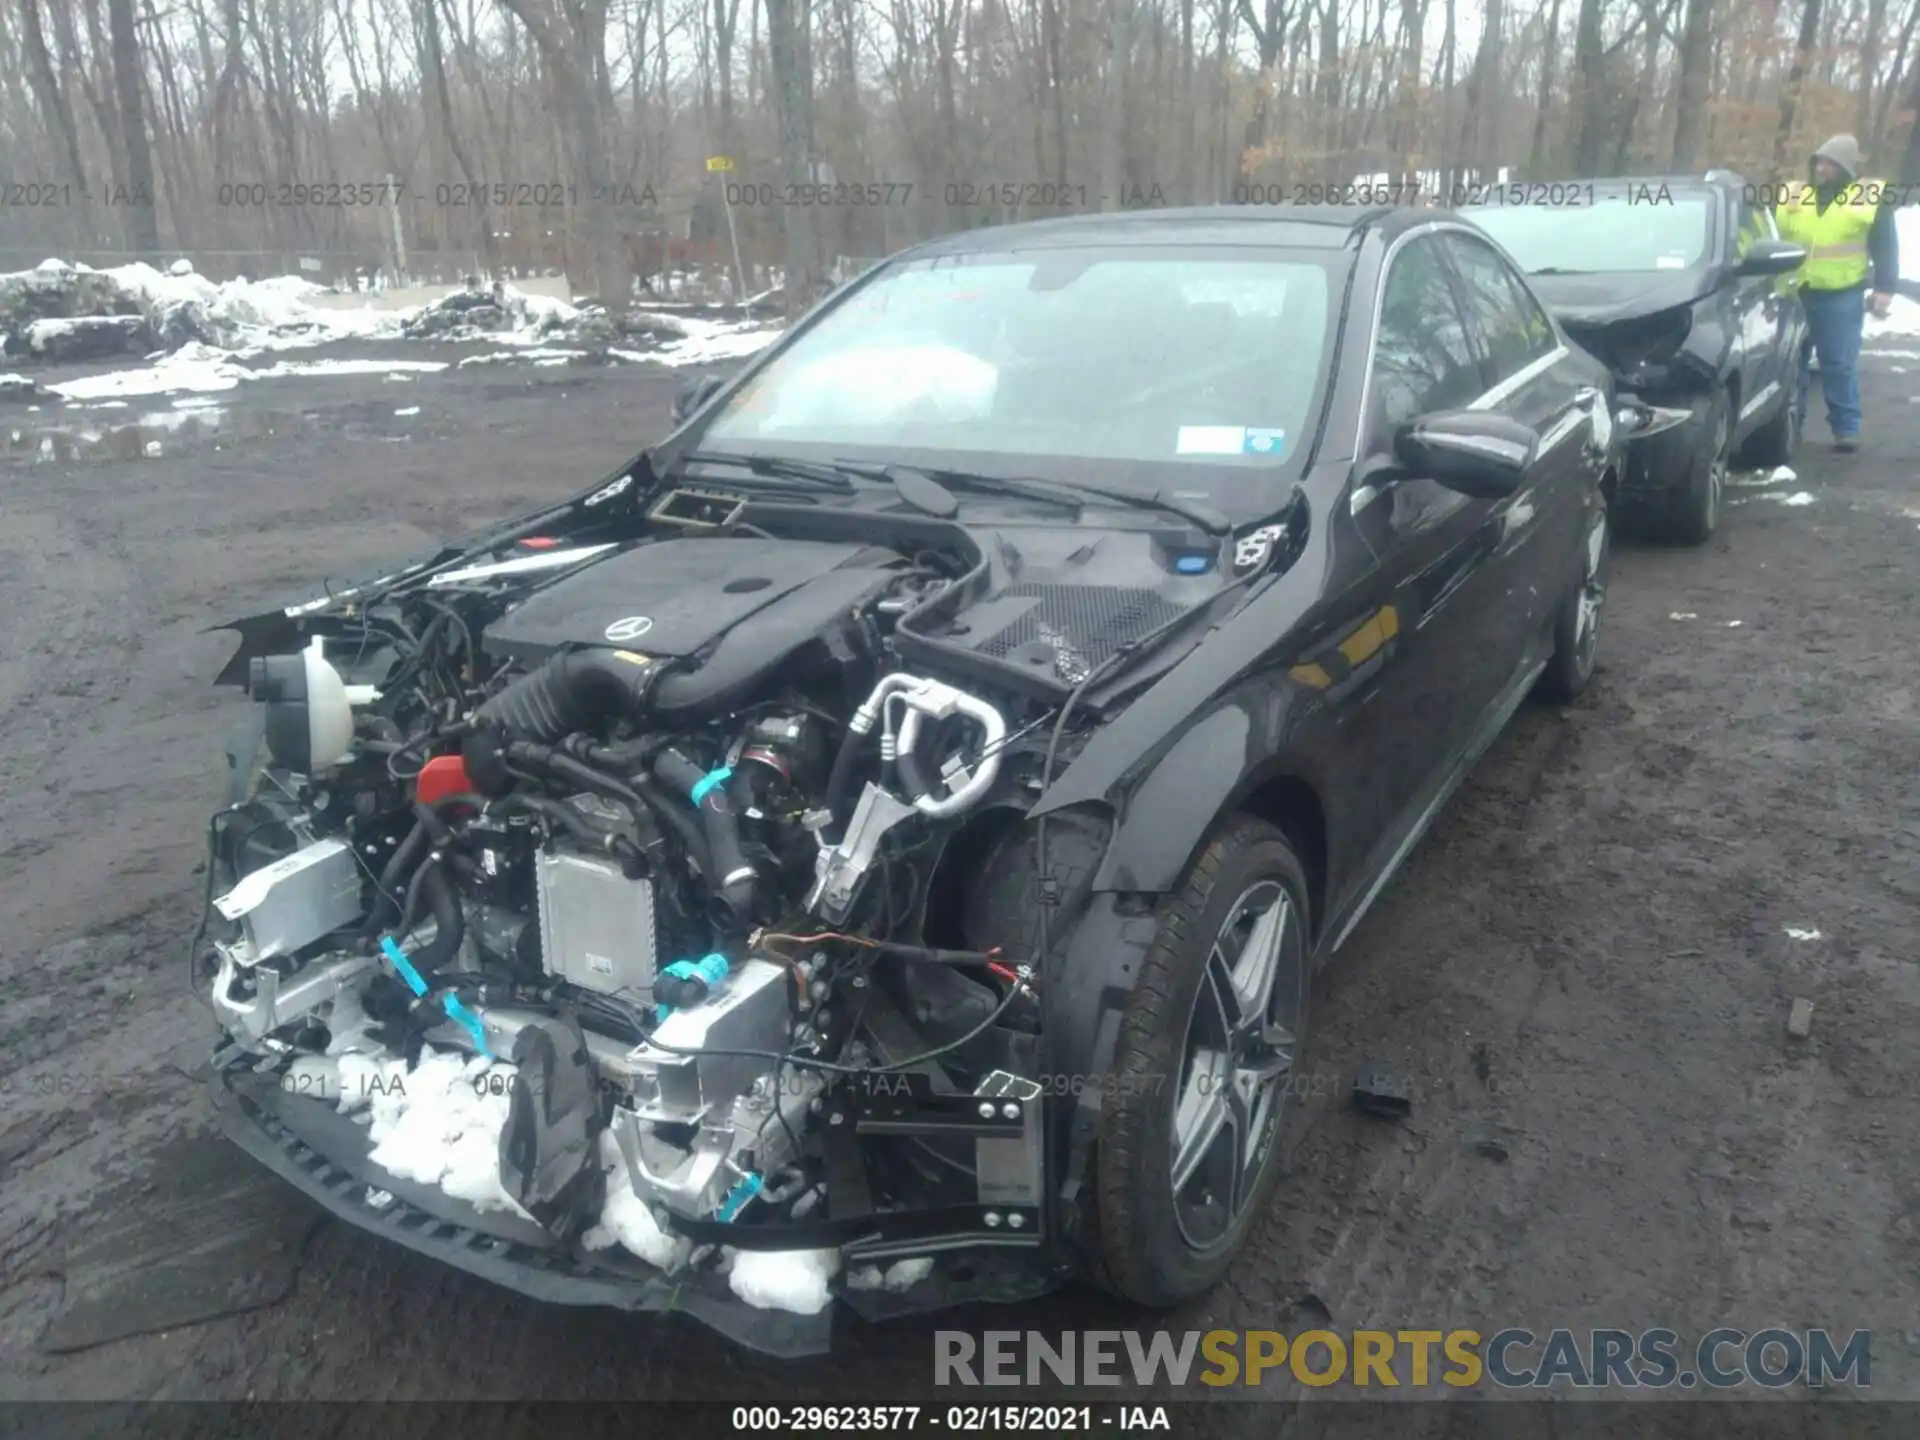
(672, 598)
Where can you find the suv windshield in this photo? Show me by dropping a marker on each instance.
(1190, 368)
(1614, 235)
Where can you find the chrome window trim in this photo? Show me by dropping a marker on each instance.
(1513, 383)
(1364, 495)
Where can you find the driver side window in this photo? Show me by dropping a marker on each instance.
(1422, 359)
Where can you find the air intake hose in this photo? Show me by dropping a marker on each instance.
(569, 693)
(732, 876)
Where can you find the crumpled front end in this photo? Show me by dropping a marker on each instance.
(623, 922)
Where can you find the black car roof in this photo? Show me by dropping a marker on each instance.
(1276, 227)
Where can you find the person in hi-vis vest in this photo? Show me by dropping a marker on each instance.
(1846, 222)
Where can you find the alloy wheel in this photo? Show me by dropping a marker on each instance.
(1236, 1068)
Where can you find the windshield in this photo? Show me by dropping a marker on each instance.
(1611, 236)
(1037, 363)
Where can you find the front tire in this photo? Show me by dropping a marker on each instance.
(1187, 1159)
(1693, 509)
(1774, 442)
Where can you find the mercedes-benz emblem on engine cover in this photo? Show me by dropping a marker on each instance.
(631, 628)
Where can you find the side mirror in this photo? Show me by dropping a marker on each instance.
(1771, 257)
(694, 394)
(1474, 452)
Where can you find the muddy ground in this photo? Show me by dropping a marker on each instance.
(1586, 971)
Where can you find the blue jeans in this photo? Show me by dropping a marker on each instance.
(1834, 322)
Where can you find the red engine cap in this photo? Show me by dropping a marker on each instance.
(440, 777)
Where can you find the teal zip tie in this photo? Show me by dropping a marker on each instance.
(403, 965)
(456, 1012)
(463, 1016)
(705, 785)
(737, 1198)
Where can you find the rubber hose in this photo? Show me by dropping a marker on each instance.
(408, 851)
(731, 875)
(839, 782)
(912, 778)
(430, 884)
(567, 694)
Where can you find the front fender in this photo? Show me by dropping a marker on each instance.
(1215, 725)
(1225, 755)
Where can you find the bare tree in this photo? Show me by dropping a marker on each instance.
(1790, 93)
(790, 102)
(1696, 78)
(571, 38)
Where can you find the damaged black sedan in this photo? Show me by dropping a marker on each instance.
(874, 849)
(1677, 284)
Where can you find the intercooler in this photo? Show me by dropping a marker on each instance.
(597, 926)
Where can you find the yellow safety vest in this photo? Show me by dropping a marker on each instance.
(1836, 240)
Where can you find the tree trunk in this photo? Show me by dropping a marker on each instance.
(1590, 89)
(571, 45)
(1695, 88)
(1406, 144)
(1480, 131)
(1870, 53)
(1550, 49)
(789, 99)
(436, 68)
(1113, 106)
(1333, 139)
(1910, 160)
(1796, 76)
(143, 216)
(53, 101)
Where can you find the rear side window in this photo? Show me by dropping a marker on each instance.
(1516, 329)
(1423, 360)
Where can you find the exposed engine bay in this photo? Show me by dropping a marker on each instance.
(681, 841)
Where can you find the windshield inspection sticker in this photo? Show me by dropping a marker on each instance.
(1670, 262)
(1211, 440)
(1230, 440)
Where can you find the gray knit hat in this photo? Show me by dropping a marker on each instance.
(1844, 151)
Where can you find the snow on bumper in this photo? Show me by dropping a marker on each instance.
(329, 1156)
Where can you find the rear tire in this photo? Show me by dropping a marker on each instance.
(1576, 630)
(1693, 509)
(1774, 443)
(1187, 1153)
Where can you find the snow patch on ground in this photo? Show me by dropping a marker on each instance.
(791, 1280)
(1795, 933)
(544, 354)
(712, 340)
(1801, 497)
(194, 367)
(203, 369)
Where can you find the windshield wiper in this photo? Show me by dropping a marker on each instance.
(1557, 270)
(1073, 494)
(772, 467)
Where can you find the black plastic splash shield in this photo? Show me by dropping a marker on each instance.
(261, 1119)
